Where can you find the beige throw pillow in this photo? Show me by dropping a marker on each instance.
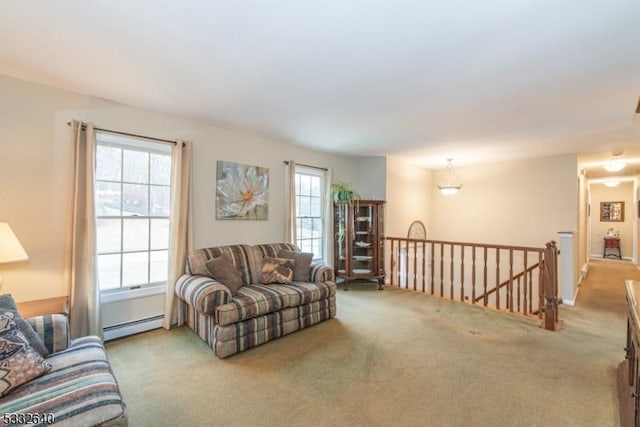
(277, 270)
(223, 270)
(303, 264)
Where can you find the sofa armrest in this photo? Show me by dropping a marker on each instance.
(53, 329)
(202, 293)
(321, 273)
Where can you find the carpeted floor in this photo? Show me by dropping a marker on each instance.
(393, 358)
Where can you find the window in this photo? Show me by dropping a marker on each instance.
(132, 198)
(310, 221)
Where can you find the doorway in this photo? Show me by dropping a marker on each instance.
(612, 227)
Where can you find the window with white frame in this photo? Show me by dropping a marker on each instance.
(310, 221)
(132, 199)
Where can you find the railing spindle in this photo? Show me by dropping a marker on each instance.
(391, 263)
(510, 287)
(462, 273)
(424, 254)
(498, 278)
(406, 264)
(431, 267)
(531, 291)
(486, 300)
(442, 269)
(473, 275)
(415, 266)
(540, 285)
(524, 287)
(451, 252)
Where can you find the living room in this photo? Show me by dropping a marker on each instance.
(510, 195)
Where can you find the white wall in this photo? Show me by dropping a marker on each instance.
(525, 202)
(409, 197)
(371, 178)
(622, 193)
(583, 223)
(35, 175)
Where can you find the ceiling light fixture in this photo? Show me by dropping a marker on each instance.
(450, 183)
(612, 183)
(615, 166)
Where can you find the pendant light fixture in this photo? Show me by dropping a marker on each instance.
(450, 184)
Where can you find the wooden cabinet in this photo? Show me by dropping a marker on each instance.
(359, 241)
(612, 245)
(629, 369)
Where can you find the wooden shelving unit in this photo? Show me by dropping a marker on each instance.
(359, 241)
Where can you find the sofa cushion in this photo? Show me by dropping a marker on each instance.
(222, 269)
(240, 336)
(303, 263)
(273, 249)
(53, 329)
(7, 304)
(242, 256)
(19, 362)
(270, 250)
(257, 299)
(277, 270)
(80, 389)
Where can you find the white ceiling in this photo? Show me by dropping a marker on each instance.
(424, 80)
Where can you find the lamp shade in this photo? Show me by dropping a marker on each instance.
(10, 248)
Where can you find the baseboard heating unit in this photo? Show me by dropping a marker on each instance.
(134, 327)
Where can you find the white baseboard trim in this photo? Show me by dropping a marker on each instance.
(626, 258)
(571, 302)
(135, 327)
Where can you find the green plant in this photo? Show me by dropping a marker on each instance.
(342, 191)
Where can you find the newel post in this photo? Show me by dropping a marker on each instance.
(550, 321)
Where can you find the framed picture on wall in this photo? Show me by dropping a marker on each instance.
(241, 191)
(612, 211)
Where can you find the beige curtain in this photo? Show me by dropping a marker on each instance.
(290, 208)
(180, 230)
(328, 215)
(84, 293)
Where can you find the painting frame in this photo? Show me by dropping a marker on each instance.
(242, 191)
(612, 211)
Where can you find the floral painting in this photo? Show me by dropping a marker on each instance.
(241, 191)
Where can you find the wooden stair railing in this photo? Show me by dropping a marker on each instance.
(506, 282)
(464, 271)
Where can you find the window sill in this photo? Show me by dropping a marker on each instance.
(127, 294)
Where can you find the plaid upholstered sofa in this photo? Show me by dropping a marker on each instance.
(257, 313)
(79, 390)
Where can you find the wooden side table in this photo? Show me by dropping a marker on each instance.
(613, 245)
(44, 306)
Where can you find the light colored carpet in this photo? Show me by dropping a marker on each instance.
(393, 358)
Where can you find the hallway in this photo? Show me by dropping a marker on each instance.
(603, 292)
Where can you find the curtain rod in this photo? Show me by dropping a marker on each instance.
(84, 127)
(286, 162)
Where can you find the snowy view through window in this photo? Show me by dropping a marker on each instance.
(132, 188)
(310, 211)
